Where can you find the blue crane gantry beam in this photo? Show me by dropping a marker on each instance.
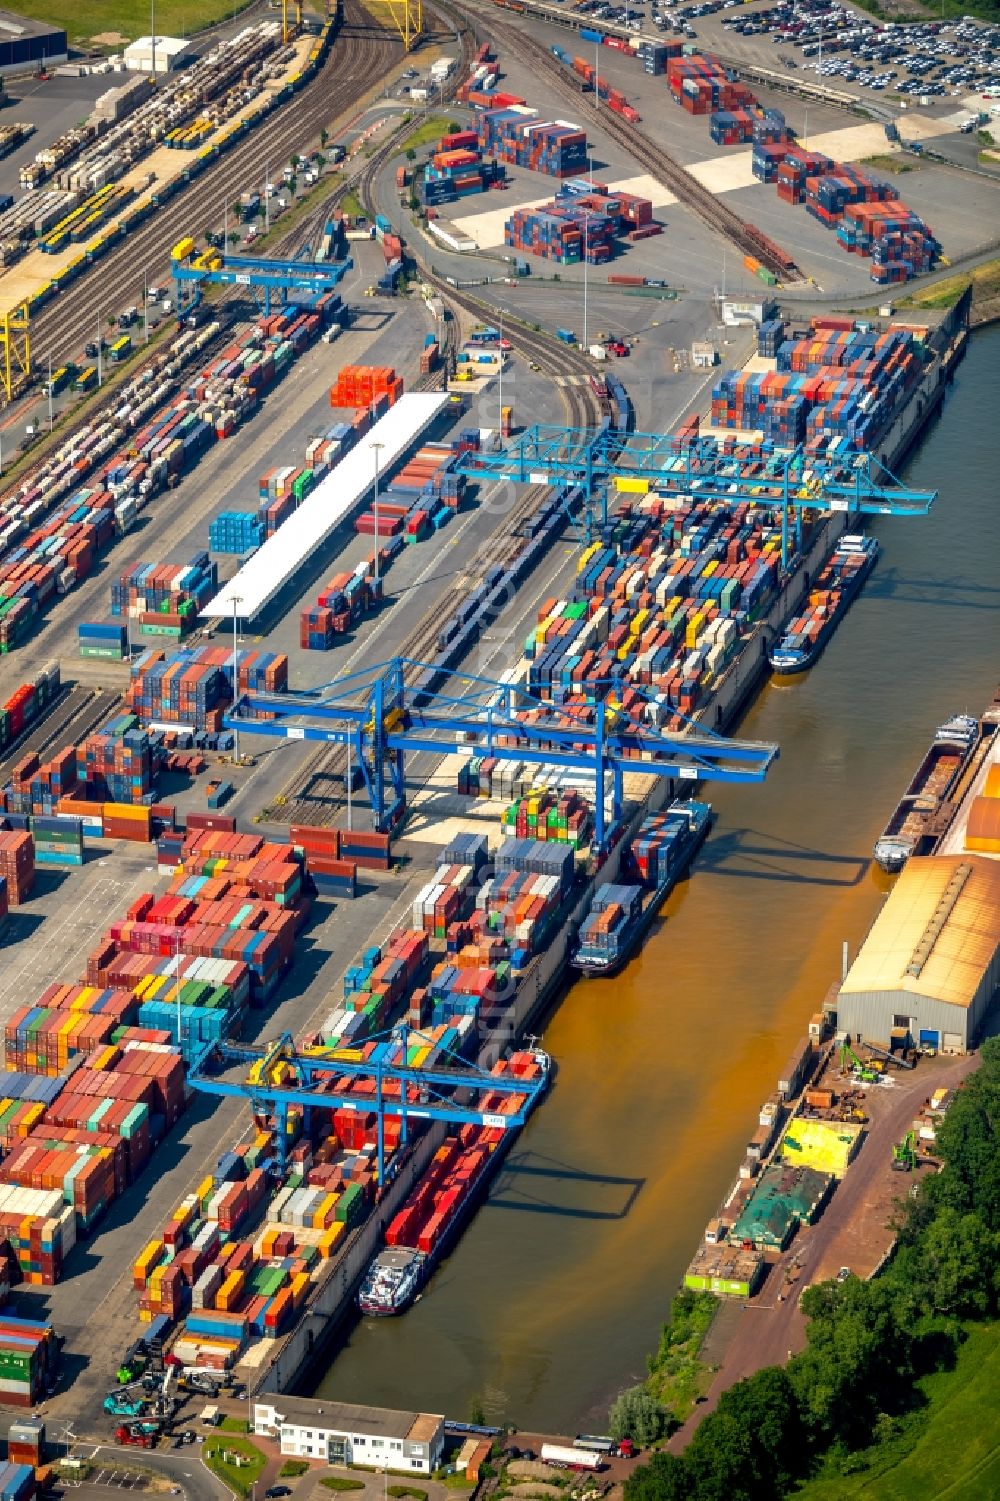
(381, 719)
(758, 474)
(425, 1094)
(257, 272)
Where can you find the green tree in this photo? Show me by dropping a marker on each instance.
(324, 136)
(752, 1445)
(477, 1414)
(664, 1478)
(411, 155)
(956, 1262)
(858, 1359)
(968, 1140)
(636, 1414)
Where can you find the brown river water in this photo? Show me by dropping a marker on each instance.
(554, 1295)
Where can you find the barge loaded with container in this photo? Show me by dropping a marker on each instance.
(422, 1232)
(621, 914)
(835, 589)
(909, 828)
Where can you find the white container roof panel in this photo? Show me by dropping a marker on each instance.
(330, 503)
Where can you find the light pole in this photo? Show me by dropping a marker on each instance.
(377, 449)
(100, 362)
(152, 39)
(500, 392)
(597, 64)
(350, 780)
(586, 226)
(145, 307)
(237, 600)
(50, 393)
(267, 204)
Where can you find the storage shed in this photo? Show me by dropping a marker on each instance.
(157, 54)
(931, 962)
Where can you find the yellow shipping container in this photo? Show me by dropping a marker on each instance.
(300, 1287)
(626, 485)
(324, 1209)
(991, 787)
(329, 1238)
(586, 555)
(126, 810)
(182, 249)
(230, 1291)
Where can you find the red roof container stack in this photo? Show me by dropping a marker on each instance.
(17, 864)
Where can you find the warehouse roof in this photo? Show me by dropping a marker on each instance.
(352, 1417)
(937, 934)
(332, 501)
(13, 27)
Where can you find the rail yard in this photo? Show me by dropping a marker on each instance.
(434, 443)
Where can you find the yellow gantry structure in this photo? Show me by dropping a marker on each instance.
(15, 350)
(403, 16)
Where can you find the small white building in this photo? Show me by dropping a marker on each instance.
(159, 54)
(346, 1433)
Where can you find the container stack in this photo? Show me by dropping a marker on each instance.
(236, 532)
(37, 788)
(88, 1175)
(24, 1098)
(557, 232)
(27, 703)
(65, 1021)
(17, 864)
(106, 639)
(26, 1444)
(544, 815)
(701, 85)
(443, 900)
(194, 687)
(367, 386)
(29, 1358)
(116, 763)
(612, 911)
(320, 849)
(58, 840)
(165, 600)
(41, 1231)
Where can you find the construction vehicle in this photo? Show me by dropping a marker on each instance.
(897, 1058)
(121, 1405)
(904, 1154)
(850, 1062)
(137, 1435)
(198, 1381)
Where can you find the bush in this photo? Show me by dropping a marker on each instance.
(342, 1483)
(408, 1490)
(293, 1467)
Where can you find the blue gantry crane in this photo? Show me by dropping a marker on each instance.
(289, 281)
(758, 474)
(382, 714)
(281, 1076)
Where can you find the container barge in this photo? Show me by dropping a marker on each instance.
(422, 1232)
(621, 915)
(837, 586)
(909, 830)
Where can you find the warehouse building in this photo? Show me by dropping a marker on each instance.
(27, 45)
(344, 1433)
(931, 963)
(157, 54)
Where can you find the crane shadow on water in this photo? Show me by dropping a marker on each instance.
(525, 1174)
(766, 857)
(963, 593)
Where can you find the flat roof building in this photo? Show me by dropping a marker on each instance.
(931, 963)
(169, 52)
(350, 1433)
(25, 45)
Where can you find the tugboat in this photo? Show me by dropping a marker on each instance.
(621, 915)
(837, 584)
(936, 777)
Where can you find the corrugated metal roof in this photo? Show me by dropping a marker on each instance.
(333, 499)
(937, 934)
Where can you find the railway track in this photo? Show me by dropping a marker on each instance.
(359, 54)
(72, 718)
(746, 238)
